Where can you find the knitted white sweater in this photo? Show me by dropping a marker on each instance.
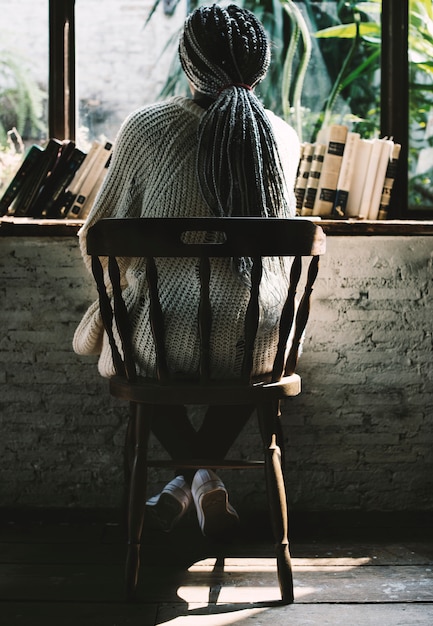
(152, 174)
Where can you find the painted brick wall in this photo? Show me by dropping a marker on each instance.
(359, 436)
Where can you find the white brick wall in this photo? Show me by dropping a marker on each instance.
(358, 437)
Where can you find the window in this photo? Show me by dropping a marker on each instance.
(121, 62)
(420, 146)
(23, 79)
(373, 71)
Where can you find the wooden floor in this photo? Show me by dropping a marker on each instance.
(65, 573)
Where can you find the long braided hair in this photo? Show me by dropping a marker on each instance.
(224, 53)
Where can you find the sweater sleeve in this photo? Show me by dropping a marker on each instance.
(120, 194)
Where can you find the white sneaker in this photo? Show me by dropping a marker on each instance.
(164, 510)
(215, 514)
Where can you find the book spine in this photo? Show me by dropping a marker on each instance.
(52, 208)
(66, 201)
(90, 199)
(390, 176)
(379, 181)
(25, 200)
(307, 150)
(69, 195)
(32, 157)
(373, 163)
(103, 159)
(85, 168)
(313, 179)
(38, 208)
(326, 191)
(97, 166)
(358, 180)
(346, 175)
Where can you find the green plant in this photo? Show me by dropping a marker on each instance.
(355, 50)
(420, 154)
(21, 99)
(11, 155)
(281, 89)
(293, 81)
(360, 65)
(358, 52)
(21, 111)
(347, 48)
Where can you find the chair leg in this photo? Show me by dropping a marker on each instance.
(277, 498)
(130, 441)
(128, 460)
(137, 496)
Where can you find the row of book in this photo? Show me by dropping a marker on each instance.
(56, 182)
(342, 175)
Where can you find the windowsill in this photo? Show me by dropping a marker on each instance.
(27, 227)
(377, 227)
(24, 227)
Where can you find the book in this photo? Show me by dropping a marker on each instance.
(37, 207)
(86, 206)
(301, 152)
(325, 196)
(360, 170)
(370, 175)
(31, 158)
(379, 180)
(52, 207)
(71, 192)
(346, 175)
(97, 170)
(302, 174)
(313, 178)
(41, 171)
(390, 176)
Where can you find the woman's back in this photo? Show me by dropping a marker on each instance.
(223, 156)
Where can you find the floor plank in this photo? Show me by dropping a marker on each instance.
(77, 614)
(301, 615)
(71, 574)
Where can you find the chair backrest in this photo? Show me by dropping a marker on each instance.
(240, 237)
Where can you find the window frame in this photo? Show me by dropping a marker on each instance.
(394, 96)
(61, 72)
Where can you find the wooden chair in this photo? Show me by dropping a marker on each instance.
(246, 237)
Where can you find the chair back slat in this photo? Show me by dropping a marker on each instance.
(122, 320)
(286, 320)
(107, 314)
(204, 319)
(156, 321)
(302, 317)
(251, 319)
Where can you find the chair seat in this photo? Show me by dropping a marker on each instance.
(188, 391)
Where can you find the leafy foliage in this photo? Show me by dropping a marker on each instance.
(355, 40)
(21, 100)
(421, 102)
(11, 156)
(277, 16)
(358, 82)
(21, 110)
(353, 63)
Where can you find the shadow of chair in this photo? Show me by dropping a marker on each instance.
(255, 238)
